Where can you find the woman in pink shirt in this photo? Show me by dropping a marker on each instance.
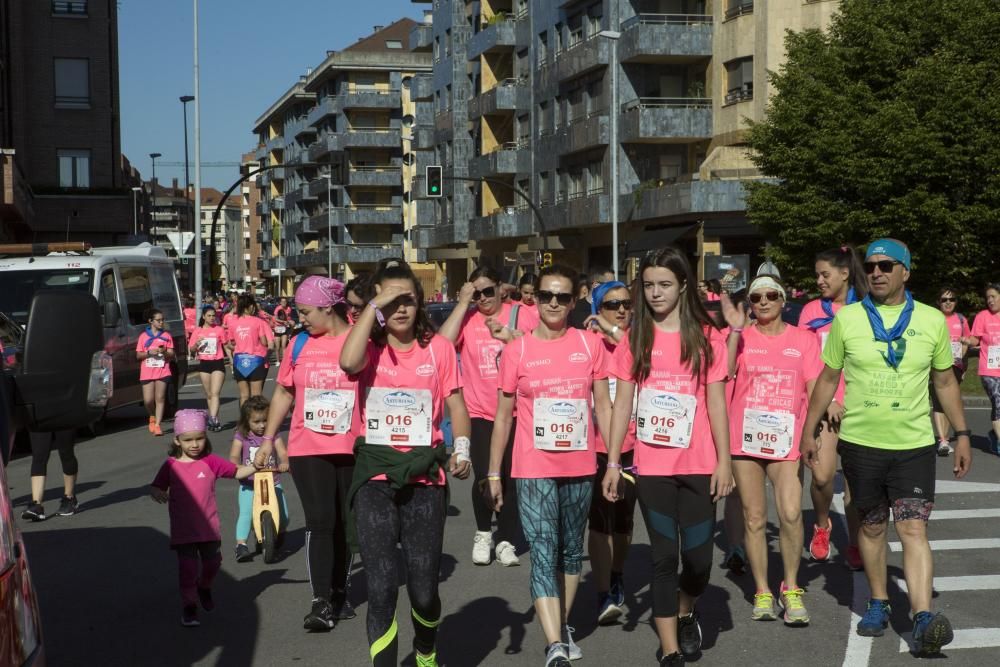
(208, 342)
(676, 361)
(841, 281)
(775, 366)
(549, 375)
(399, 492)
(250, 340)
(961, 336)
(986, 335)
(282, 327)
(155, 350)
(480, 309)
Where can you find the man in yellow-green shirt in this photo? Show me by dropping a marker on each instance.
(887, 346)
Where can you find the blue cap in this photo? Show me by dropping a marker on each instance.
(598, 294)
(890, 248)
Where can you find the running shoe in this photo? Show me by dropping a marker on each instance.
(34, 512)
(152, 422)
(608, 612)
(853, 557)
(944, 448)
(876, 618)
(507, 554)
(790, 600)
(68, 506)
(736, 560)
(556, 656)
(672, 659)
(205, 597)
(617, 591)
(156, 430)
(930, 633)
(994, 442)
(426, 660)
(243, 554)
(189, 616)
(763, 607)
(572, 650)
(320, 617)
(819, 546)
(343, 610)
(689, 634)
(482, 545)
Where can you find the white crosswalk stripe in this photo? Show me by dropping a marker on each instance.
(972, 583)
(971, 638)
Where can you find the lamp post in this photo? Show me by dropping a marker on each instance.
(195, 224)
(135, 211)
(152, 208)
(329, 224)
(613, 36)
(197, 169)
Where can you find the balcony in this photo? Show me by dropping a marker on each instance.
(278, 204)
(688, 198)
(742, 94)
(275, 143)
(264, 179)
(370, 137)
(423, 138)
(261, 153)
(508, 95)
(587, 132)
(317, 187)
(325, 144)
(500, 34)
(739, 8)
(506, 223)
(421, 37)
(346, 254)
(360, 98)
(260, 208)
(276, 174)
(295, 229)
(439, 236)
(355, 215)
(582, 57)
(301, 129)
(666, 120)
(509, 158)
(664, 38)
(385, 176)
(422, 88)
(584, 209)
(327, 106)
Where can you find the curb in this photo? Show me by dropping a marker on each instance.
(975, 402)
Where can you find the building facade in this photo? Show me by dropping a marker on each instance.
(61, 173)
(251, 219)
(231, 242)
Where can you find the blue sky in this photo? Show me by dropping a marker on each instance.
(251, 52)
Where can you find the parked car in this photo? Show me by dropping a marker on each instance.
(440, 312)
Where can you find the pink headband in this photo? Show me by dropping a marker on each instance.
(319, 291)
(188, 421)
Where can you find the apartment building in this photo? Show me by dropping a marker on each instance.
(231, 242)
(61, 172)
(342, 139)
(602, 110)
(251, 220)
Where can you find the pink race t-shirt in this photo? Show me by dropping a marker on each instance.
(770, 400)
(673, 394)
(245, 333)
(609, 348)
(986, 328)
(553, 381)
(481, 357)
(814, 310)
(154, 369)
(190, 320)
(214, 337)
(958, 328)
(413, 372)
(326, 418)
(227, 320)
(194, 515)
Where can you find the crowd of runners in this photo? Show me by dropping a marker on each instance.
(568, 406)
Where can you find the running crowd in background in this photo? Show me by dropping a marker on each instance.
(569, 401)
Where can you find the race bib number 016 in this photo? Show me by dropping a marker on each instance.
(401, 417)
(561, 424)
(664, 418)
(768, 434)
(328, 411)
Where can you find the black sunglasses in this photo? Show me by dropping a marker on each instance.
(615, 304)
(948, 299)
(771, 296)
(884, 266)
(488, 292)
(563, 298)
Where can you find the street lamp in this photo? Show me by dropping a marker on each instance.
(613, 36)
(195, 224)
(152, 208)
(135, 210)
(329, 224)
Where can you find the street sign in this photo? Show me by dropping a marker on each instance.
(181, 241)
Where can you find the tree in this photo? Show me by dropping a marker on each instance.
(887, 125)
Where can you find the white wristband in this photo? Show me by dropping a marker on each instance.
(462, 448)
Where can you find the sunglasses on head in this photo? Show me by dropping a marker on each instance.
(948, 299)
(884, 266)
(488, 292)
(615, 304)
(563, 298)
(770, 296)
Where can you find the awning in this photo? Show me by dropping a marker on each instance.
(656, 238)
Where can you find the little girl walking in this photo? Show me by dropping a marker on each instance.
(246, 441)
(186, 481)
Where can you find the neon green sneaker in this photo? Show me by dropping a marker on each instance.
(763, 607)
(427, 660)
(791, 602)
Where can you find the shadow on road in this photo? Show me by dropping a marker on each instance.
(471, 634)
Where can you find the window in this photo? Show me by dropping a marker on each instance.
(69, 7)
(74, 168)
(393, 44)
(72, 77)
(138, 295)
(543, 48)
(109, 289)
(165, 295)
(739, 80)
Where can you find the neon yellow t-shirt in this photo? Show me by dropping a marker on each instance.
(885, 407)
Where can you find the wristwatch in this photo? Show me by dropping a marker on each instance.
(967, 433)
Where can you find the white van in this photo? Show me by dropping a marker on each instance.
(126, 281)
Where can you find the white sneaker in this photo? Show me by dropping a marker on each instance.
(482, 546)
(944, 449)
(572, 650)
(556, 656)
(507, 554)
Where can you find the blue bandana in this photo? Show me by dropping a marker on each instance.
(894, 334)
(153, 337)
(827, 305)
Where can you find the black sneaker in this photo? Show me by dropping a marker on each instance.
(343, 610)
(35, 512)
(689, 634)
(68, 506)
(672, 660)
(205, 596)
(189, 617)
(320, 618)
(243, 554)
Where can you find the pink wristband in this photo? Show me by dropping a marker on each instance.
(267, 438)
(613, 465)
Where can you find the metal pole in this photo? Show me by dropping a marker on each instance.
(135, 213)
(614, 157)
(329, 226)
(197, 170)
(152, 207)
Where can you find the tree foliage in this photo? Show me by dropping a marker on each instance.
(887, 124)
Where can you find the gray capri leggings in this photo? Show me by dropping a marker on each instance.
(992, 387)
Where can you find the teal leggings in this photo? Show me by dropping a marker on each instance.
(245, 520)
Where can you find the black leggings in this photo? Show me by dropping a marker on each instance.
(508, 524)
(41, 448)
(678, 507)
(322, 483)
(414, 518)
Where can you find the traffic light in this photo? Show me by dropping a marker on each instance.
(432, 181)
(546, 259)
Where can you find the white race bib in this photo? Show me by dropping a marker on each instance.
(280, 330)
(665, 418)
(768, 434)
(154, 362)
(209, 346)
(328, 411)
(956, 350)
(402, 417)
(822, 340)
(993, 357)
(561, 424)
